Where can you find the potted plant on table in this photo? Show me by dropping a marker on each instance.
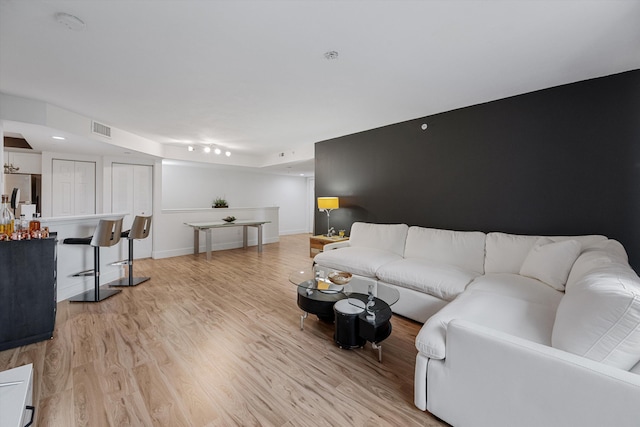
(219, 202)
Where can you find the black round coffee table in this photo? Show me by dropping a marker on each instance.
(361, 309)
(315, 296)
(318, 303)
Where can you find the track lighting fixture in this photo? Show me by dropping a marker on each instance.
(209, 148)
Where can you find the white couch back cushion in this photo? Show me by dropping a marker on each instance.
(550, 262)
(386, 237)
(505, 253)
(464, 249)
(599, 316)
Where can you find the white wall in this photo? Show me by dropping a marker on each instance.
(186, 186)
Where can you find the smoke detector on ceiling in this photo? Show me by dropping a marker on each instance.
(332, 54)
(72, 22)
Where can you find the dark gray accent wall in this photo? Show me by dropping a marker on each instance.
(559, 161)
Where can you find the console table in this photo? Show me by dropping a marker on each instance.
(208, 226)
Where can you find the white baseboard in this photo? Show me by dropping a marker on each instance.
(290, 232)
(215, 247)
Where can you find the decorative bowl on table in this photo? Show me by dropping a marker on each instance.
(229, 219)
(340, 277)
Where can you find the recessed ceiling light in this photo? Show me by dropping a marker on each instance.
(190, 148)
(217, 150)
(332, 54)
(207, 149)
(227, 153)
(72, 22)
(61, 138)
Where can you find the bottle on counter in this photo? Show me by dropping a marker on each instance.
(24, 227)
(6, 217)
(34, 224)
(17, 225)
(34, 227)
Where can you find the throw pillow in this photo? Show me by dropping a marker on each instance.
(551, 262)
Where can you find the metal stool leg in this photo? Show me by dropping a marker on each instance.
(130, 280)
(139, 230)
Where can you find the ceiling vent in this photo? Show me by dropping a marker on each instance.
(100, 129)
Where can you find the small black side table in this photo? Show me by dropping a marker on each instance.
(354, 326)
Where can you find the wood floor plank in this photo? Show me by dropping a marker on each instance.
(88, 398)
(216, 343)
(163, 406)
(56, 374)
(56, 409)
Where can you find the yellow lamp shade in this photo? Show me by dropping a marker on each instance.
(328, 203)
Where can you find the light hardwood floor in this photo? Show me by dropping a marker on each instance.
(216, 343)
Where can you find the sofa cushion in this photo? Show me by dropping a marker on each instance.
(464, 249)
(595, 256)
(505, 253)
(385, 237)
(510, 303)
(550, 262)
(434, 278)
(599, 318)
(362, 261)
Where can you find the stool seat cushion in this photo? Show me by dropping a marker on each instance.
(77, 240)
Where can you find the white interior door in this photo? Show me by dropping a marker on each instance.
(311, 203)
(85, 188)
(132, 192)
(74, 188)
(63, 185)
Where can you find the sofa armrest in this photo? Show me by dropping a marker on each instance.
(337, 245)
(492, 378)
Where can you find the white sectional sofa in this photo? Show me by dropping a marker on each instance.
(518, 330)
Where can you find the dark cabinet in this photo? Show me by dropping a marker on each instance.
(27, 291)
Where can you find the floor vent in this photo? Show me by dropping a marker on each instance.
(100, 129)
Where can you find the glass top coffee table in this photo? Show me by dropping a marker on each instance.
(360, 308)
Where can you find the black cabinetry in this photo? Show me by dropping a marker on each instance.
(27, 291)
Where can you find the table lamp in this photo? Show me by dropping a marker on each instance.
(327, 204)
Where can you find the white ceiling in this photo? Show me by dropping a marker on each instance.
(251, 76)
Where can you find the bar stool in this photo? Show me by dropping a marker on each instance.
(139, 230)
(107, 234)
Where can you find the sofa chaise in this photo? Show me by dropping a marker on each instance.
(518, 330)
